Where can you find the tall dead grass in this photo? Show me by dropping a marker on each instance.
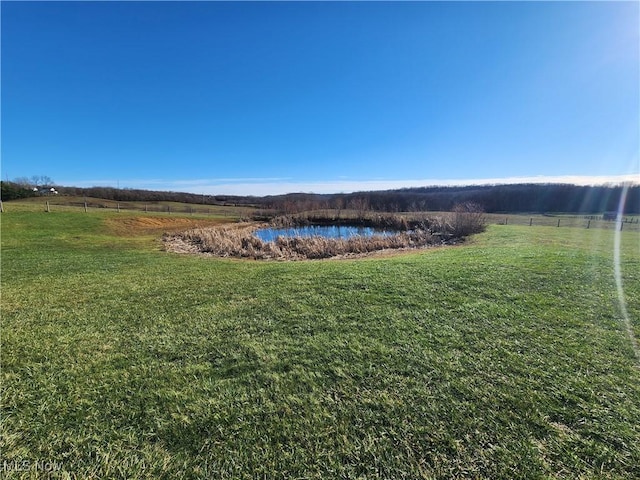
(225, 241)
(414, 232)
(385, 221)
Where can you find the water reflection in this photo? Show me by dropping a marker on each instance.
(325, 231)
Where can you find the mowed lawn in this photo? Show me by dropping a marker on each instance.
(504, 358)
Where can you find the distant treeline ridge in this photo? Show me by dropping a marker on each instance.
(538, 198)
(534, 198)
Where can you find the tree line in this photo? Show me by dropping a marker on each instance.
(534, 198)
(13, 190)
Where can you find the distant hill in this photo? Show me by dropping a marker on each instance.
(539, 198)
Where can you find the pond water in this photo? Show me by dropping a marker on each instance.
(325, 231)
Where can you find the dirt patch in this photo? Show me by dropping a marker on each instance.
(139, 225)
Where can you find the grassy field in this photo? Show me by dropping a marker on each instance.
(69, 203)
(630, 222)
(503, 358)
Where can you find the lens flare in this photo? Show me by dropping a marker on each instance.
(617, 272)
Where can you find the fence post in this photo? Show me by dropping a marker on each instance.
(118, 207)
(558, 222)
(588, 224)
(48, 206)
(1, 207)
(145, 207)
(506, 221)
(530, 221)
(169, 209)
(85, 207)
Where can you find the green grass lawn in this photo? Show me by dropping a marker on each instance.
(503, 358)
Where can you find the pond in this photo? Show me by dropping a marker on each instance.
(326, 231)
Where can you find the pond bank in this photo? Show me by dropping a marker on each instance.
(240, 242)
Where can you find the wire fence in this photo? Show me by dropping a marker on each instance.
(602, 221)
(625, 222)
(166, 208)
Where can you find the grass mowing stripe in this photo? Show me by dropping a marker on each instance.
(502, 358)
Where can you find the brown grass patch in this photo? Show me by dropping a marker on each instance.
(131, 226)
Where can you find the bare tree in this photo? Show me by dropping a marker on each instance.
(41, 181)
(23, 182)
(338, 205)
(360, 205)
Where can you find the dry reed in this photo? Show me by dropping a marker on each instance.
(416, 232)
(240, 242)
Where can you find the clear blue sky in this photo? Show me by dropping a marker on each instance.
(326, 96)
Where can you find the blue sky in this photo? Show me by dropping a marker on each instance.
(270, 97)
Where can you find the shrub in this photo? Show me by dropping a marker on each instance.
(468, 218)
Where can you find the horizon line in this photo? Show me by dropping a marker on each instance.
(280, 186)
